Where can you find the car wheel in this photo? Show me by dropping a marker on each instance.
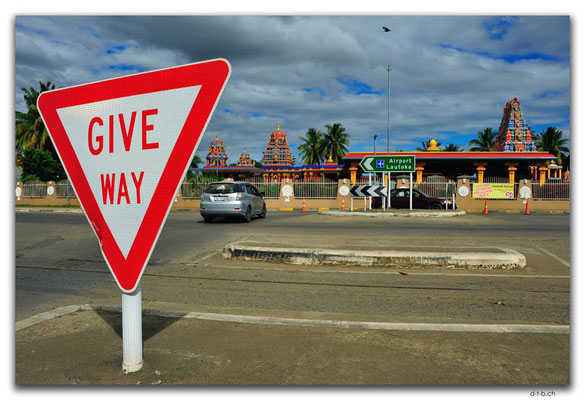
(437, 206)
(263, 213)
(207, 219)
(248, 216)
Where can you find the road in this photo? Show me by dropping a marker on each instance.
(58, 263)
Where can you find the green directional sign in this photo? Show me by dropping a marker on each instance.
(388, 163)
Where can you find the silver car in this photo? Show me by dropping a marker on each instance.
(232, 199)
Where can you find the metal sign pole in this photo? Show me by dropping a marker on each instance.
(389, 189)
(411, 191)
(132, 330)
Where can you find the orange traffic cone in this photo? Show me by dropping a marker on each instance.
(342, 204)
(527, 211)
(304, 210)
(485, 208)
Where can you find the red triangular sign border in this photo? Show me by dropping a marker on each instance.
(212, 75)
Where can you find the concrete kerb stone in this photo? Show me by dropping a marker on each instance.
(507, 259)
(394, 214)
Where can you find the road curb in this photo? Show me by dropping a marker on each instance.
(394, 214)
(49, 210)
(507, 259)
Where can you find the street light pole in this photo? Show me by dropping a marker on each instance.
(375, 137)
(388, 126)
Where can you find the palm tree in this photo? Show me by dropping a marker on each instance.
(484, 142)
(335, 142)
(30, 129)
(311, 149)
(425, 145)
(552, 141)
(452, 147)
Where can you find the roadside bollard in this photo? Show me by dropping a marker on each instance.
(527, 211)
(342, 204)
(485, 208)
(304, 210)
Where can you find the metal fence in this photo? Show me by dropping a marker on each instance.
(270, 189)
(322, 189)
(551, 191)
(63, 190)
(437, 187)
(193, 189)
(34, 189)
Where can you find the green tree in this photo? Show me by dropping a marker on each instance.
(40, 165)
(551, 140)
(195, 162)
(452, 147)
(484, 142)
(335, 142)
(311, 149)
(425, 145)
(30, 129)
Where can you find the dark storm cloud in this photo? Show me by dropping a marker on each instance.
(451, 76)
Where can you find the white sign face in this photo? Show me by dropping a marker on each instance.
(50, 190)
(525, 192)
(126, 147)
(343, 190)
(126, 144)
(463, 191)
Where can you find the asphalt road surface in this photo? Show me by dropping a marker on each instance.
(58, 263)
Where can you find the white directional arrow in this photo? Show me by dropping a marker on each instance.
(368, 163)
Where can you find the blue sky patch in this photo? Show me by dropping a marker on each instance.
(126, 67)
(91, 31)
(315, 89)
(354, 86)
(510, 58)
(498, 27)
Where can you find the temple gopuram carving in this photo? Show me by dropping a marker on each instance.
(216, 157)
(277, 151)
(245, 160)
(514, 135)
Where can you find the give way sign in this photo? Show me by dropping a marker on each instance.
(126, 144)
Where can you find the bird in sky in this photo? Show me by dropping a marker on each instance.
(386, 29)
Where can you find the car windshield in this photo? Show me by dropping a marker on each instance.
(222, 188)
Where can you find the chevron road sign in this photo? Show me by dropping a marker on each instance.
(365, 191)
(388, 163)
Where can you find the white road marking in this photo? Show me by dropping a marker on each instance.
(317, 323)
(202, 258)
(559, 259)
(394, 272)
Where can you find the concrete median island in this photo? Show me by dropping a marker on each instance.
(449, 258)
(396, 213)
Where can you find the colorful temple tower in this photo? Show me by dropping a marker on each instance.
(216, 156)
(277, 151)
(245, 160)
(514, 135)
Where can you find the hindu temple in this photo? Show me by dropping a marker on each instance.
(245, 160)
(277, 151)
(514, 134)
(216, 157)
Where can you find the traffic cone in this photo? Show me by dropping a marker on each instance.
(342, 204)
(485, 208)
(304, 210)
(527, 211)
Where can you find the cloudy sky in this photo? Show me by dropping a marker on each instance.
(451, 76)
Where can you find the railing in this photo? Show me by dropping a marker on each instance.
(324, 189)
(64, 190)
(439, 188)
(271, 190)
(34, 189)
(551, 191)
(194, 189)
